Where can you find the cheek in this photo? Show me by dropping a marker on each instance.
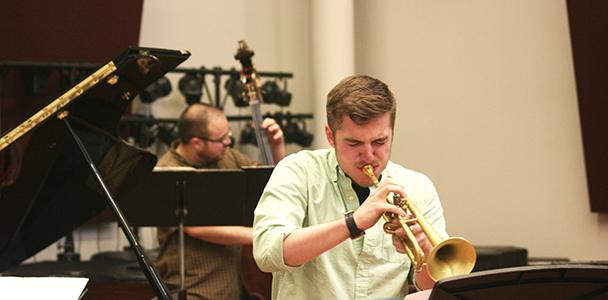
(344, 155)
(348, 153)
(383, 150)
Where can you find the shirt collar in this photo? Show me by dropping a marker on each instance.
(332, 164)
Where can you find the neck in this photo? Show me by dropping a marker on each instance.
(189, 154)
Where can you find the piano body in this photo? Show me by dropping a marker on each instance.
(47, 188)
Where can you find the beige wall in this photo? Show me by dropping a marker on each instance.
(487, 103)
(487, 108)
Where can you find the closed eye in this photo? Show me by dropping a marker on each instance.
(380, 141)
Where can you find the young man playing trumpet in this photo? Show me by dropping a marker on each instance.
(318, 226)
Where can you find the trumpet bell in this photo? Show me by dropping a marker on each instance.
(452, 257)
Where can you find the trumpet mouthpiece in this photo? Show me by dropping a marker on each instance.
(368, 170)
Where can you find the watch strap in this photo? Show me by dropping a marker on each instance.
(354, 231)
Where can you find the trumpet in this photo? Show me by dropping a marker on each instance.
(449, 257)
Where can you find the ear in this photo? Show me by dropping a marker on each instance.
(329, 135)
(196, 142)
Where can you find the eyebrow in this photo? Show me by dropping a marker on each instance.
(225, 134)
(353, 140)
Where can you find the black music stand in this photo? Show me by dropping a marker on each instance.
(556, 282)
(154, 202)
(175, 196)
(256, 178)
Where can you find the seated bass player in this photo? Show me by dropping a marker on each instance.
(212, 253)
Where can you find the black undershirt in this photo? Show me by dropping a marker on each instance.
(362, 192)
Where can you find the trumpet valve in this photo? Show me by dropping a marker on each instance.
(400, 202)
(390, 227)
(410, 221)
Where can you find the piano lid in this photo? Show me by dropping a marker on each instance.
(46, 187)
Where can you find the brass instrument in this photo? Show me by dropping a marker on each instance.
(449, 257)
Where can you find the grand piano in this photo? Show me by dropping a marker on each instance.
(47, 188)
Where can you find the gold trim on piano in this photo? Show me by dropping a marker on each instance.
(56, 105)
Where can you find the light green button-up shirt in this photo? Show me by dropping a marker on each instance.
(309, 188)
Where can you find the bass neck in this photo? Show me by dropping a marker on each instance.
(260, 136)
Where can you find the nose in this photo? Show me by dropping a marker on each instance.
(367, 153)
(227, 141)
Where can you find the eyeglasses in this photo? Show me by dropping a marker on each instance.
(224, 139)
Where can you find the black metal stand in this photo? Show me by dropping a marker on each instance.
(68, 253)
(176, 197)
(181, 212)
(556, 282)
(157, 284)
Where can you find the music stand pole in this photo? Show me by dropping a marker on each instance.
(157, 284)
(181, 212)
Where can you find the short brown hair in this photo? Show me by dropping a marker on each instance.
(194, 121)
(361, 98)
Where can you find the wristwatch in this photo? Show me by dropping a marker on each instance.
(354, 231)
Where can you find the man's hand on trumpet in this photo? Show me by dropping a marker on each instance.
(375, 205)
(421, 277)
(421, 237)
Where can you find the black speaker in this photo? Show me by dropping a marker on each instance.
(496, 257)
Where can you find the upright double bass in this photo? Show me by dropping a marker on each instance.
(256, 282)
(253, 96)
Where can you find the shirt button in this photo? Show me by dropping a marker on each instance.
(351, 198)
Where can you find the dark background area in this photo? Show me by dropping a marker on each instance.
(588, 33)
(63, 31)
(68, 30)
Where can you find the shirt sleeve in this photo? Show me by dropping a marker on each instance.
(243, 160)
(421, 190)
(428, 203)
(431, 207)
(280, 211)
